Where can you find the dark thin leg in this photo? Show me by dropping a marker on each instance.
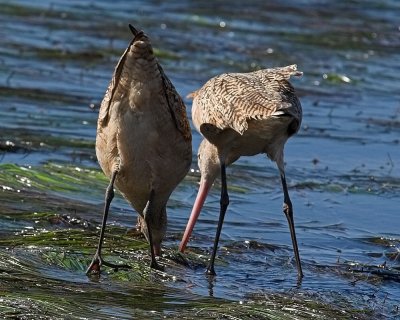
(224, 202)
(147, 212)
(210, 286)
(288, 210)
(98, 261)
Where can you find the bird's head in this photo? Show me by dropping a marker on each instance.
(208, 161)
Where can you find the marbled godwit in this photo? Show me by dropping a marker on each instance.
(143, 141)
(243, 114)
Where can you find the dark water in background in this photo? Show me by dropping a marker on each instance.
(343, 168)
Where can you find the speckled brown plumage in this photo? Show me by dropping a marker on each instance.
(231, 99)
(119, 84)
(143, 141)
(243, 114)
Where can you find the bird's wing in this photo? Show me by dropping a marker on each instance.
(173, 99)
(176, 106)
(229, 100)
(111, 89)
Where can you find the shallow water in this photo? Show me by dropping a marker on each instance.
(343, 167)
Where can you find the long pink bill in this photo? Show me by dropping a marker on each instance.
(198, 204)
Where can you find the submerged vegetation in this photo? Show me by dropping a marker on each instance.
(47, 252)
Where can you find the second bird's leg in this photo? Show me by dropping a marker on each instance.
(288, 210)
(224, 202)
(98, 261)
(148, 212)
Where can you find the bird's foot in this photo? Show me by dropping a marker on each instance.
(97, 262)
(94, 267)
(156, 266)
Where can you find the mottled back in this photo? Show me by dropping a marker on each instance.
(231, 99)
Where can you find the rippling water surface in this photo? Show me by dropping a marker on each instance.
(343, 168)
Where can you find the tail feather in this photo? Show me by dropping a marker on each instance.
(192, 95)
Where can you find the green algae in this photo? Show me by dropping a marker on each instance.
(41, 95)
(53, 298)
(57, 248)
(50, 177)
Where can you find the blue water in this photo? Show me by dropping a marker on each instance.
(343, 168)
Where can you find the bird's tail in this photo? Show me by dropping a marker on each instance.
(289, 71)
(192, 95)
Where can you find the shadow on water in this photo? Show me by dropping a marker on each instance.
(56, 59)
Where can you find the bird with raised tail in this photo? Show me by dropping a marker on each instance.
(143, 142)
(243, 114)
